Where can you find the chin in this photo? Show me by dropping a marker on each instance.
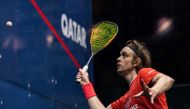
(119, 71)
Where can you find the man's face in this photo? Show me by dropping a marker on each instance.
(125, 60)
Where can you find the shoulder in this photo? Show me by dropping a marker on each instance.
(146, 71)
(147, 74)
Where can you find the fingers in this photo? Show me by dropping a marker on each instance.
(83, 74)
(82, 77)
(146, 92)
(146, 88)
(139, 94)
(152, 98)
(142, 93)
(143, 84)
(78, 77)
(80, 70)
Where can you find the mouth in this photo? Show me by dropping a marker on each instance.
(118, 65)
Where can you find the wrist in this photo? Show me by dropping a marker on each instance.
(88, 90)
(85, 83)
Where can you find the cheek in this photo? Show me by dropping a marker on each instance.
(128, 62)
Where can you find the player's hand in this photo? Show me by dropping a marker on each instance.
(82, 77)
(147, 91)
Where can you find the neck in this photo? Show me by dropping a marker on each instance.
(130, 76)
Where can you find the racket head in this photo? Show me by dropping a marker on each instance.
(102, 34)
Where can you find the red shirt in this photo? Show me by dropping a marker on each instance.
(127, 101)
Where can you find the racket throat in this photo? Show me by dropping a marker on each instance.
(85, 68)
(89, 59)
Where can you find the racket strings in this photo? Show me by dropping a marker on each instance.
(102, 35)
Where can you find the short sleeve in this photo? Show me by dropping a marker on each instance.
(147, 74)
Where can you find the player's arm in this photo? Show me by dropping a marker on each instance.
(160, 82)
(93, 101)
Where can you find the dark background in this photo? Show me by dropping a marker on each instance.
(138, 19)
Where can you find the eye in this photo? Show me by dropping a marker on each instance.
(124, 54)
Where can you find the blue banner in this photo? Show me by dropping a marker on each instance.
(42, 45)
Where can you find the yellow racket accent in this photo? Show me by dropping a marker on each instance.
(102, 34)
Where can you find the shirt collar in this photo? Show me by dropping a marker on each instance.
(132, 80)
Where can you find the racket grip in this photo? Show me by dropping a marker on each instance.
(78, 80)
(84, 69)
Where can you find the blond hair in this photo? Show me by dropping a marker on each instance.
(141, 51)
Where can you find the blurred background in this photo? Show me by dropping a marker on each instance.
(44, 42)
(164, 26)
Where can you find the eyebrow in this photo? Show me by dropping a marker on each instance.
(124, 52)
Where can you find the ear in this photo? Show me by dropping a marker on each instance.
(137, 62)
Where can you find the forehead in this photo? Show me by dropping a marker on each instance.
(127, 50)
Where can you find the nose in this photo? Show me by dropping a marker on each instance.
(119, 59)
